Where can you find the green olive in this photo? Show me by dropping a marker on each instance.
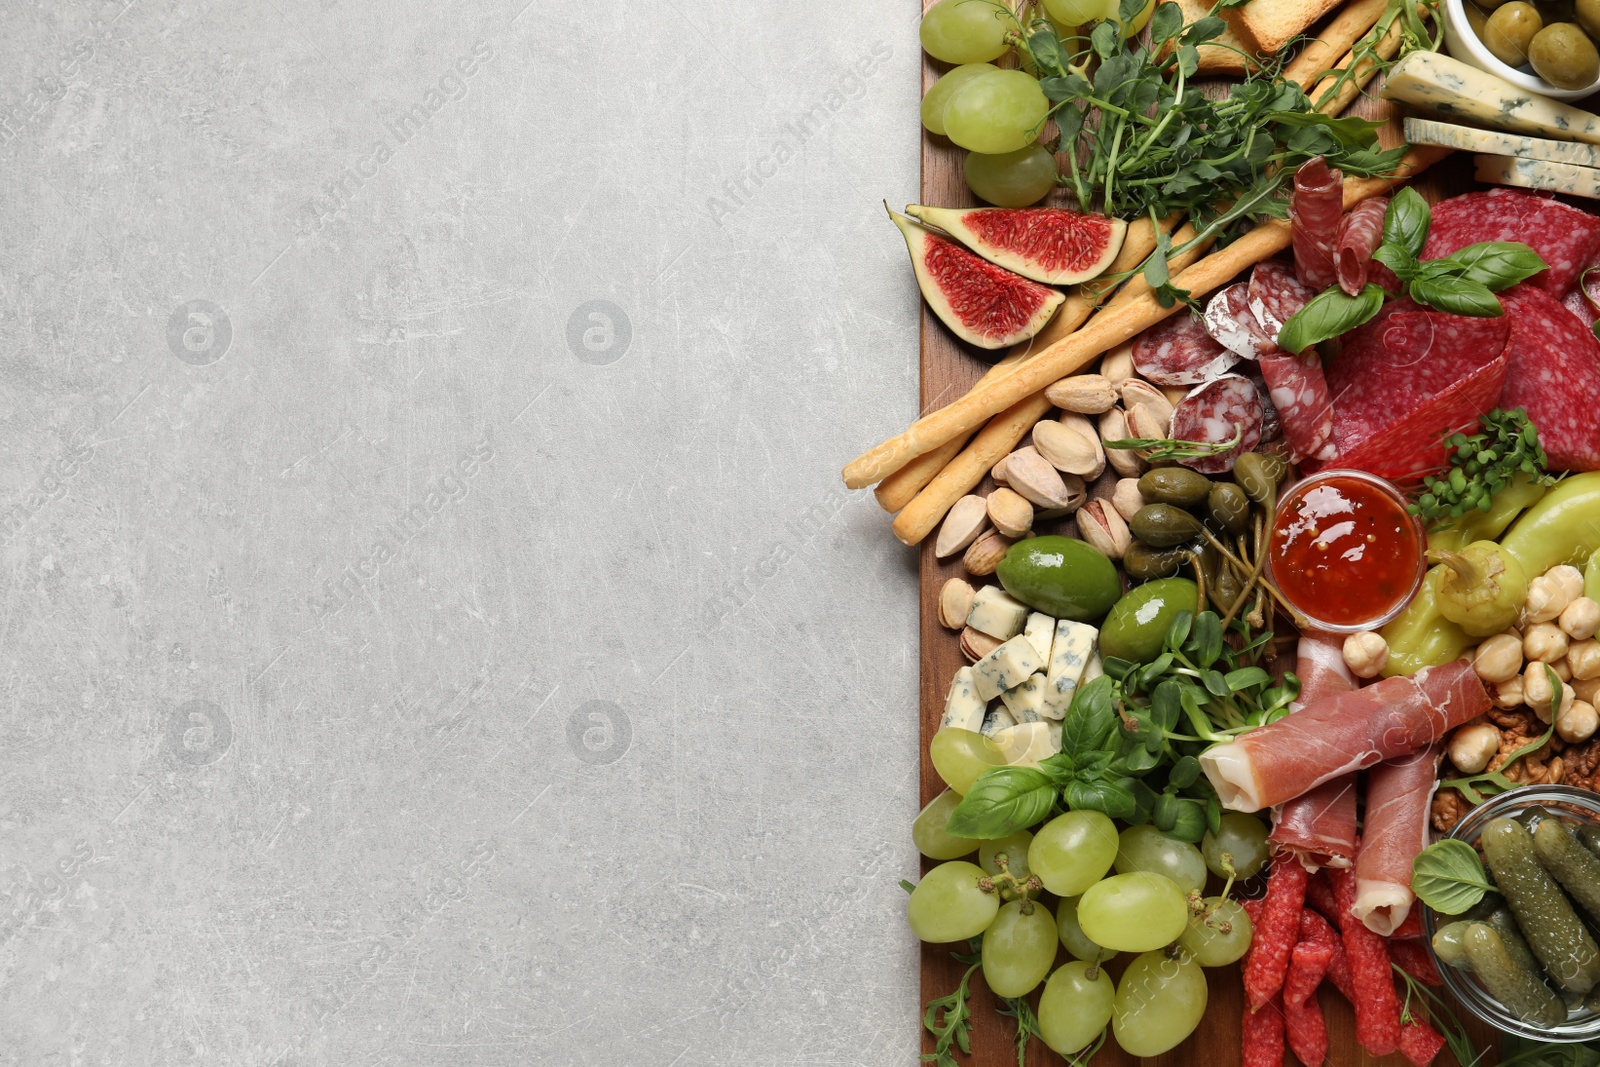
(1164, 526)
(1137, 625)
(1060, 576)
(1564, 57)
(1482, 8)
(1476, 19)
(1174, 485)
(1145, 564)
(1587, 13)
(1259, 475)
(1510, 30)
(1229, 506)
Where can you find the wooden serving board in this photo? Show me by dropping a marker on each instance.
(949, 369)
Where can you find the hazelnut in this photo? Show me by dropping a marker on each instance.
(1366, 654)
(1473, 746)
(1499, 659)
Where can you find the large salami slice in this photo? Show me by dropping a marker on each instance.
(1315, 207)
(1564, 237)
(1553, 374)
(1360, 234)
(1407, 380)
(1178, 351)
(1275, 295)
(1299, 392)
(1213, 414)
(1230, 322)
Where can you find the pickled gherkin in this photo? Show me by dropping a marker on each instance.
(1449, 944)
(1553, 930)
(1502, 922)
(1575, 867)
(1522, 992)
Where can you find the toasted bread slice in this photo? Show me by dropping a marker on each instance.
(1215, 59)
(1267, 26)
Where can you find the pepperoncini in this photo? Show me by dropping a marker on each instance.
(1421, 636)
(1481, 589)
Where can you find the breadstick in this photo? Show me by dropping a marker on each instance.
(1336, 39)
(1386, 47)
(1105, 331)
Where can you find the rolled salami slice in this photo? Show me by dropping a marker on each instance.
(1299, 392)
(1275, 295)
(1554, 375)
(1229, 321)
(1315, 208)
(1179, 351)
(1399, 797)
(1360, 234)
(1320, 827)
(1341, 733)
(1213, 414)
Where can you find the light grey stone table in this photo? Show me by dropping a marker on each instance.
(434, 631)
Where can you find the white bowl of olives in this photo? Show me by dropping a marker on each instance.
(1543, 46)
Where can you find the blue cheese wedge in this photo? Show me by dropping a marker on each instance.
(1026, 701)
(998, 719)
(963, 707)
(1450, 87)
(1026, 744)
(1498, 143)
(996, 614)
(1092, 671)
(1041, 632)
(1006, 667)
(1539, 174)
(1070, 654)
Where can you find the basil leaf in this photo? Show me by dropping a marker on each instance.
(1497, 264)
(1001, 802)
(1090, 718)
(1448, 877)
(1166, 23)
(1398, 260)
(1457, 296)
(1405, 224)
(1109, 797)
(1329, 314)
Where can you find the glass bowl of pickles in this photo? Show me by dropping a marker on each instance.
(1542, 46)
(1526, 959)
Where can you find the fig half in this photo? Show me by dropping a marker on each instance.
(982, 304)
(1048, 244)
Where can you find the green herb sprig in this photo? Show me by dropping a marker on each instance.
(1019, 1009)
(1162, 449)
(949, 1018)
(1456, 1038)
(1482, 465)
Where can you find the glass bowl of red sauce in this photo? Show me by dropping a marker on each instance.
(1344, 551)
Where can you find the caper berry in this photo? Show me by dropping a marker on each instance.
(1259, 475)
(1174, 485)
(1145, 563)
(1229, 506)
(1164, 526)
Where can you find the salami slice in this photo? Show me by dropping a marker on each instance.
(1564, 237)
(1554, 375)
(1212, 414)
(1299, 391)
(1315, 207)
(1578, 303)
(1229, 321)
(1178, 351)
(1360, 234)
(1275, 295)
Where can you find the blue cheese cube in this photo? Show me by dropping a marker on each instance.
(1070, 654)
(963, 707)
(1006, 667)
(996, 614)
(1041, 632)
(1026, 701)
(998, 719)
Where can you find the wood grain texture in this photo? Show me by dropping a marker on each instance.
(949, 367)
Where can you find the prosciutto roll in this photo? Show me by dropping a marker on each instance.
(1320, 827)
(1399, 794)
(1342, 733)
(1315, 208)
(1360, 234)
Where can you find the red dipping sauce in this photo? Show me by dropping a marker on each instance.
(1344, 552)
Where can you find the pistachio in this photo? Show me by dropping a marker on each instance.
(1117, 366)
(1144, 420)
(975, 644)
(1072, 420)
(1032, 476)
(1126, 497)
(962, 524)
(1103, 528)
(1114, 427)
(998, 471)
(1067, 449)
(1138, 393)
(955, 600)
(1088, 394)
(985, 554)
(1011, 514)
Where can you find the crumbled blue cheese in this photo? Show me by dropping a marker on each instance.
(1070, 654)
(998, 719)
(963, 707)
(994, 612)
(1006, 667)
(1041, 631)
(1026, 701)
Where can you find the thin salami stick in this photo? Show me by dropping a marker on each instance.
(1413, 959)
(1375, 1001)
(1319, 894)
(1303, 1021)
(1277, 931)
(1262, 1034)
(1420, 1042)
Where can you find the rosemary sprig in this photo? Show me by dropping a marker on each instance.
(1165, 448)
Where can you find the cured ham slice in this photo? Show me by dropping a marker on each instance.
(1399, 794)
(1342, 733)
(1320, 827)
(1315, 208)
(1360, 234)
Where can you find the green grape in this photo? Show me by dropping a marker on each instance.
(931, 834)
(1244, 838)
(1018, 949)
(1015, 849)
(965, 31)
(961, 755)
(1204, 940)
(1159, 1003)
(1075, 1006)
(1079, 12)
(1071, 934)
(995, 112)
(1072, 852)
(1015, 179)
(934, 100)
(1144, 848)
(947, 904)
(1133, 912)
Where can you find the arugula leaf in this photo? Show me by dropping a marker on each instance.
(1003, 801)
(1352, 131)
(1405, 224)
(948, 1019)
(1448, 877)
(1329, 314)
(1456, 296)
